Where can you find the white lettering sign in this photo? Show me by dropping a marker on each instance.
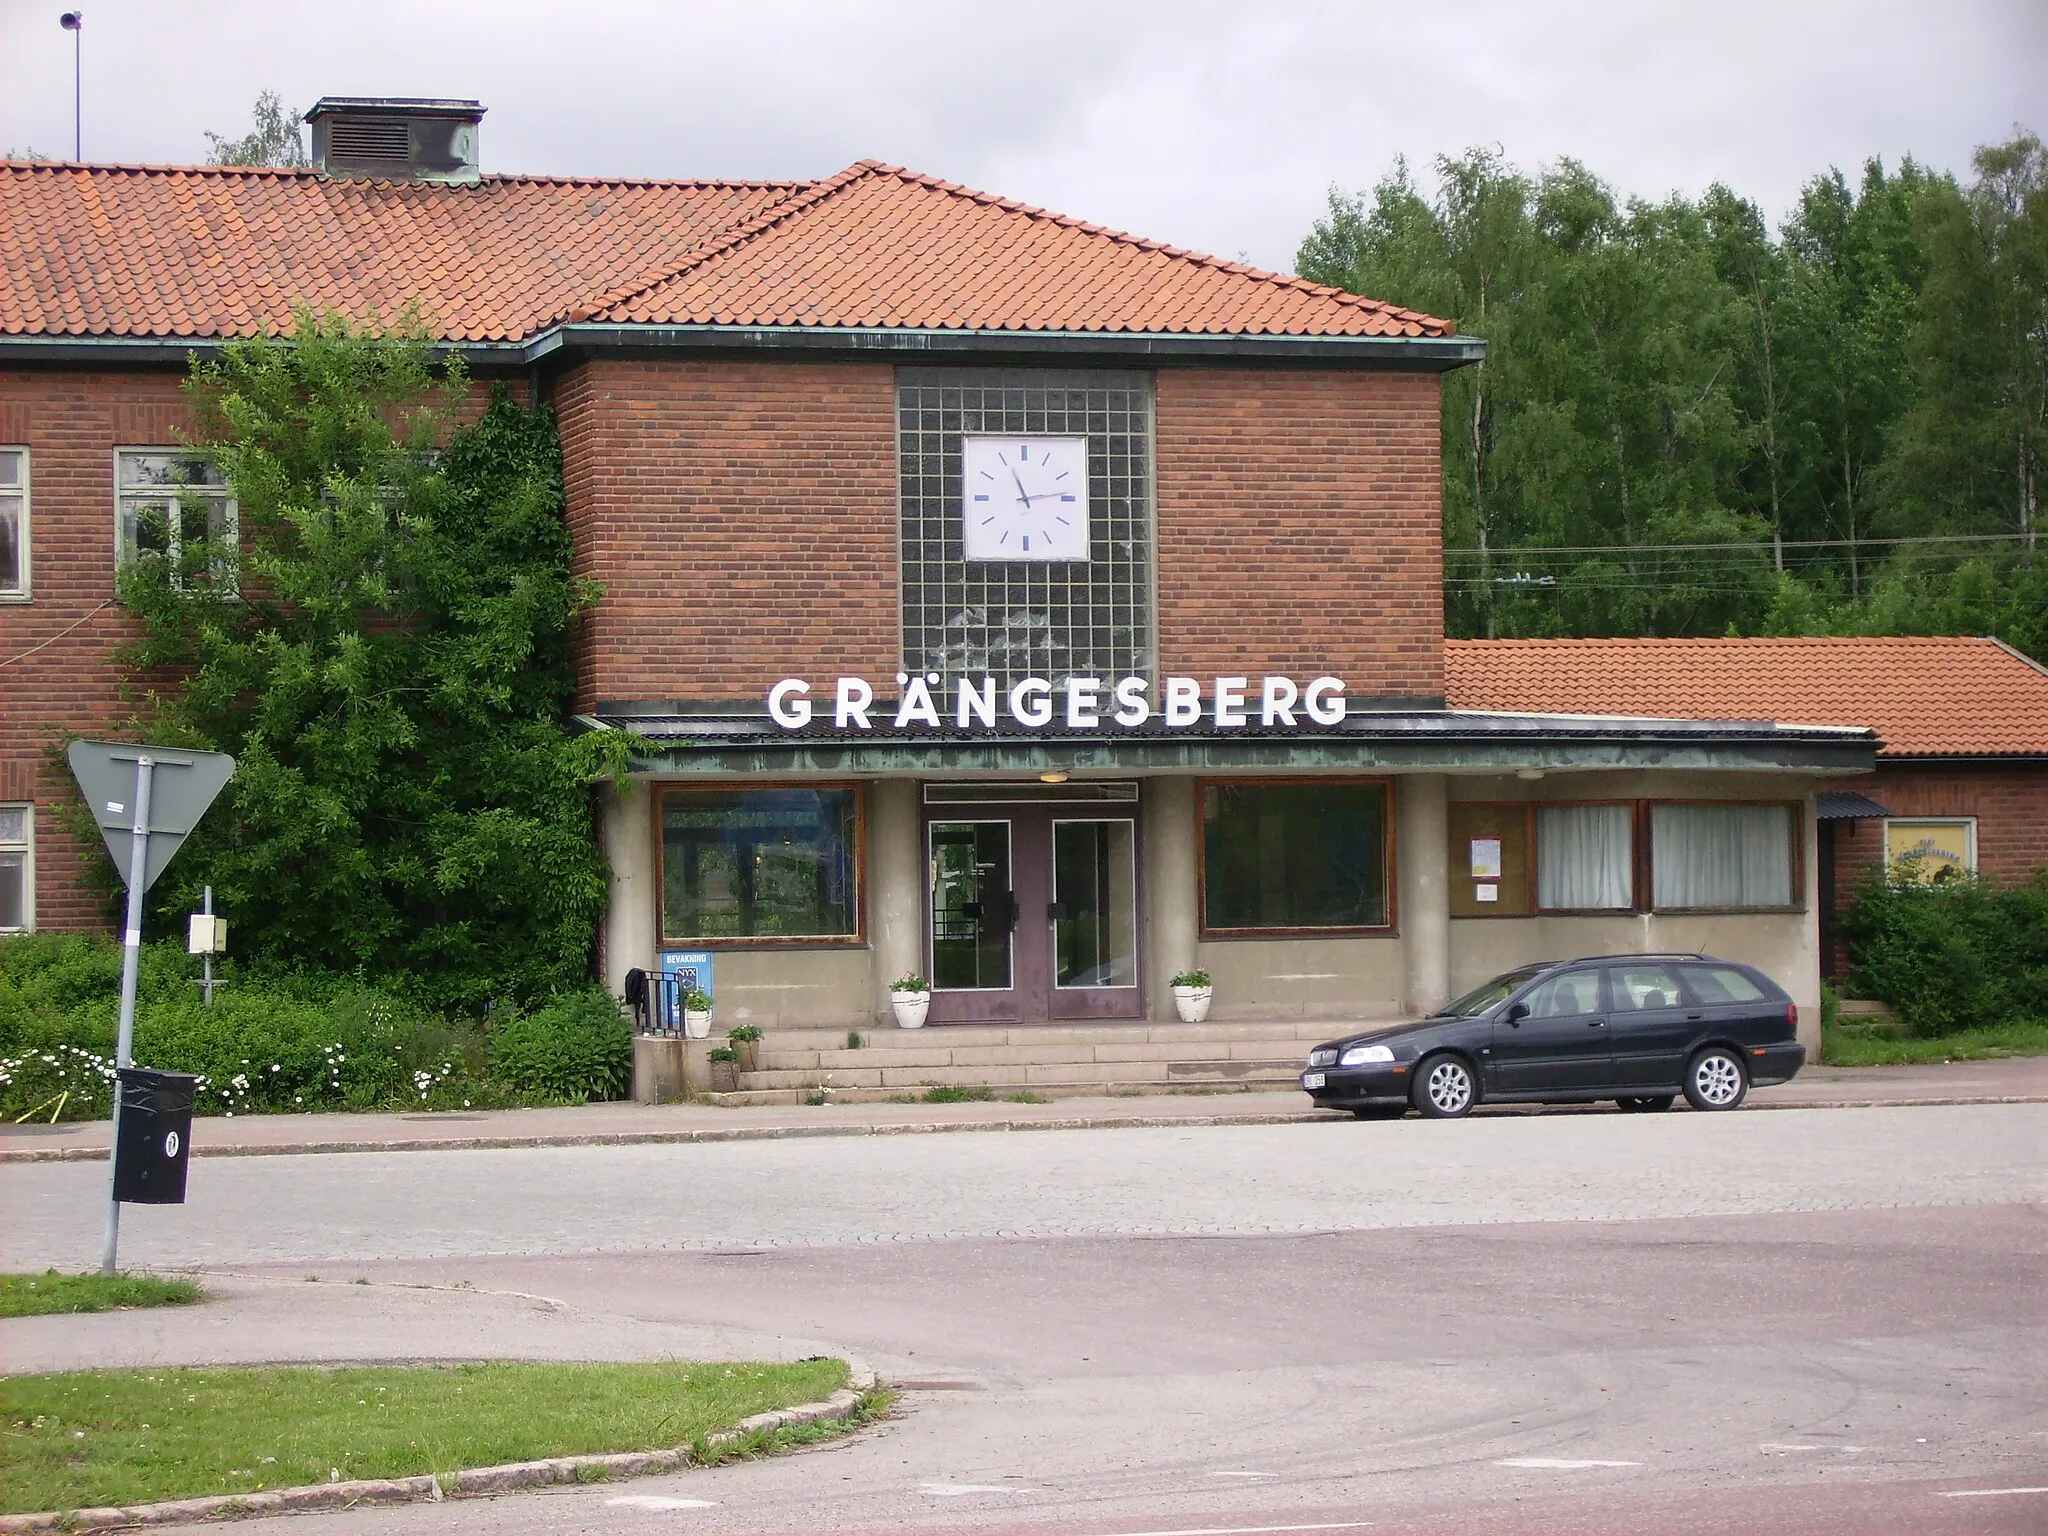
(1079, 703)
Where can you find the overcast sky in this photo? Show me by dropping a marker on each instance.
(1219, 126)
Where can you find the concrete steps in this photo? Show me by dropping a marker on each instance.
(1031, 1062)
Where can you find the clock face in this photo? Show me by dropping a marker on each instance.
(1024, 498)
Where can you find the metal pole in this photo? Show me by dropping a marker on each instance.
(78, 91)
(207, 907)
(131, 959)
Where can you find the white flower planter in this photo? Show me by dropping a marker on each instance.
(697, 1023)
(911, 1008)
(1192, 1003)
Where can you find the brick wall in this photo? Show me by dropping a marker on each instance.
(59, 674)
(1300, 527)
(741, 517)
(2010, 803)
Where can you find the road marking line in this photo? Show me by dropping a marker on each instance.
(1254, 1530)
(1561, 1463)
(1985, 1493)
(955, 1490)
(660, 1501)
(1244, 1474)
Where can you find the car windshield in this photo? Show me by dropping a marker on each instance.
(1479, 999)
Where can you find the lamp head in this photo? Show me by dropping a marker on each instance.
(72, 21)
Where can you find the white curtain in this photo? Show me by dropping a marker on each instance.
(1582, 857)
(1721, 855)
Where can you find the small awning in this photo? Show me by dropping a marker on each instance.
(1846, 805)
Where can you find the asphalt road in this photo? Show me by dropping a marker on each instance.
(1801, 1321)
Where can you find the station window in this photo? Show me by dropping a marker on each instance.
(1306, 856)
(1585, 858)
(1723, 856)
(777, 864)
(176, 506)
(13, 523)
(17, 868)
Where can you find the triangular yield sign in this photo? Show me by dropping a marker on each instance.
(182, 785)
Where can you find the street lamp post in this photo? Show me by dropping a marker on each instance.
(74, 23)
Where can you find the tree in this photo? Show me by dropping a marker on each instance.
(393, 675)
(272, 140)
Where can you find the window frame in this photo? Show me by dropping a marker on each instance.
(857, 939)
(24, 591)
(1638, 872)
(1891, 864)
(1645, 852)
(27, 848)
(1390, 823)
(231, 521)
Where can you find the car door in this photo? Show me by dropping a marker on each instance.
(1559, 1044)
(1651, 1027)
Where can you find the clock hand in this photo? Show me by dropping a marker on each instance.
(1022, 494)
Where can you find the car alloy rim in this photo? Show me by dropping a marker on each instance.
(1718, 1079)
(1449, 1087)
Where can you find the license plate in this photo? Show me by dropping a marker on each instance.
(1311, 1081)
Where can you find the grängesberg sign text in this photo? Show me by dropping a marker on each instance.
(1078, 703)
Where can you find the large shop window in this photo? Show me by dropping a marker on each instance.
(1585, 858)
(1722, 856)
(1011, 619)
(775, 864)
(13, 523)
(176, 507)
(1307, 857)
(17, 868)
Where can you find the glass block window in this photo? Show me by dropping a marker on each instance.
(1005, 620)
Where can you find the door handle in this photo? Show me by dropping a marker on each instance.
(1695, 1017)
(1595, 1023)
(1015, 910)
(1056, 912)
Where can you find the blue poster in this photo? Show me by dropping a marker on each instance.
(691, 969)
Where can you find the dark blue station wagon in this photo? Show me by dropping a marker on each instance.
(1638, 1029)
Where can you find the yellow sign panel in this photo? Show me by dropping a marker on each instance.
(1931, 850)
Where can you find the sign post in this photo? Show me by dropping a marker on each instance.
(144, 825)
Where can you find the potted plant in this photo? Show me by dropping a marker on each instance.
(725, 1069)
(745, 1040)
(697, 1015)
(1191, 994)
(911, 996)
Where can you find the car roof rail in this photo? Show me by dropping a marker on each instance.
(1648, 954)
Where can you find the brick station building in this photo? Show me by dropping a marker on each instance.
(987, 594)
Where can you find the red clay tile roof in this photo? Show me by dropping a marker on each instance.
(1925, 697)
(878, 246)
(156, 251)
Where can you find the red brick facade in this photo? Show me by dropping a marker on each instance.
(1300, 527)
(741, 517)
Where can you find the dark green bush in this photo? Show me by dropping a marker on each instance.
(577, 1047)
(1961, 954)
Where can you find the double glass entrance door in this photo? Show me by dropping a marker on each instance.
(1033, 914)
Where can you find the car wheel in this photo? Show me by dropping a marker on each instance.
(1717, 1079)
(1444, 1089)
(1655, 1103)
(1380, 1111)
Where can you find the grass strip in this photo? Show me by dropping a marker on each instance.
(35, 1295)
(79, 1439)
(1851, 1047)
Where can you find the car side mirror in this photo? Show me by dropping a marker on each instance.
(1516, 1014)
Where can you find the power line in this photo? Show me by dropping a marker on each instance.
(1517, 551)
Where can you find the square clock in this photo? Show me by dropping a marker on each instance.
(1024, 498)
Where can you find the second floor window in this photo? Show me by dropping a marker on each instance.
(13, 522)
(176, 506)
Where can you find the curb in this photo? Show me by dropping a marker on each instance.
(932, 1128)
(471, 1482)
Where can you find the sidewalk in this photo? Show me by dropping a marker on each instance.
(2019, 1079)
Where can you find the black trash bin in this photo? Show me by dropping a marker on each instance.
(155, 1137)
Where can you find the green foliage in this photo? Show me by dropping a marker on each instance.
(273, 138)
(40, 1295)
(1687, 426)
(1848, 1047)
(394, 678)
(1952, 955)
(578, 1047)
(958, 1093)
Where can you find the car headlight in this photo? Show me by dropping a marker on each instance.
(1365, 1055)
